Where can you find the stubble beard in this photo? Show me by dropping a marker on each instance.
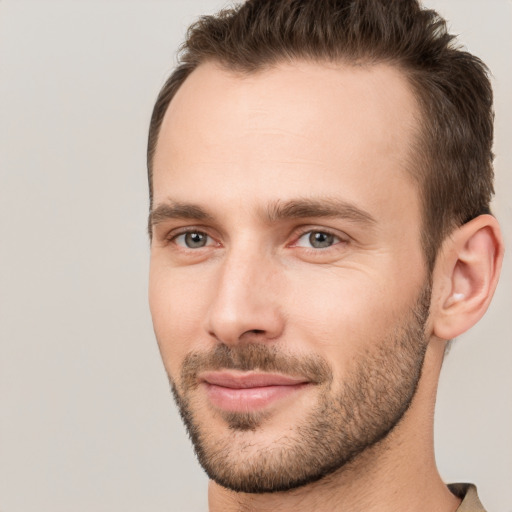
(370, 404)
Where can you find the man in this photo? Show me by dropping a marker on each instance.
(320, 175)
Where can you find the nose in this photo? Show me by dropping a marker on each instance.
(245, 305)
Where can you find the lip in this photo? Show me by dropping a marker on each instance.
(248, 391)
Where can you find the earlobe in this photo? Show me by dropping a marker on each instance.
(466, 275)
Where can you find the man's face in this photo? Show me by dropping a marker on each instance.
(288, 289)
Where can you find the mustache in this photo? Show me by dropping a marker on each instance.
(254, 357)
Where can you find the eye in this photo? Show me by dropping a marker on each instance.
(193, 240)
(317, 240)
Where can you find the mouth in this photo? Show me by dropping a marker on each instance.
(233, 391)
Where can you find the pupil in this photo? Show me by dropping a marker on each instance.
(320, 240)
(194, 240)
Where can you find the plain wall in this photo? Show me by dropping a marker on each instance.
(86, 418)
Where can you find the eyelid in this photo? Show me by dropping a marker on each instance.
(172, 235)
(304, 230)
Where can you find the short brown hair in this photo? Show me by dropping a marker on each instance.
(453, 155)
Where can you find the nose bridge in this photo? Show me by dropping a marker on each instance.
(246, 296)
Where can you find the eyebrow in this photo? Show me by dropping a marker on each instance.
(176, 210)
(274, 212)
(326, 207)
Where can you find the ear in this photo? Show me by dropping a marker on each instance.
(465, 276)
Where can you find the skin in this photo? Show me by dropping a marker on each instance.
(237, 147)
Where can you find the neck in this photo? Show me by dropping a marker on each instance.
(399, 473)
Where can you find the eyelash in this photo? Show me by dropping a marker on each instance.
(192, 230)
(338, 239)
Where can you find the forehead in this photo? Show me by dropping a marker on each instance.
(295, 128)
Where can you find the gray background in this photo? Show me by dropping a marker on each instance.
(86, 419)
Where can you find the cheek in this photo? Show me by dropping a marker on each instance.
(346, 312)
(177, 307)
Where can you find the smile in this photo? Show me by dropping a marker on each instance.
(245, 392)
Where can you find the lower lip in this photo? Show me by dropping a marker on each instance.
(249, 399)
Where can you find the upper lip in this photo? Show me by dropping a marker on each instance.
(244, 380)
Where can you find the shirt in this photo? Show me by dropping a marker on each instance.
(467, 493)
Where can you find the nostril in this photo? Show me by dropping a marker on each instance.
(256, 331)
